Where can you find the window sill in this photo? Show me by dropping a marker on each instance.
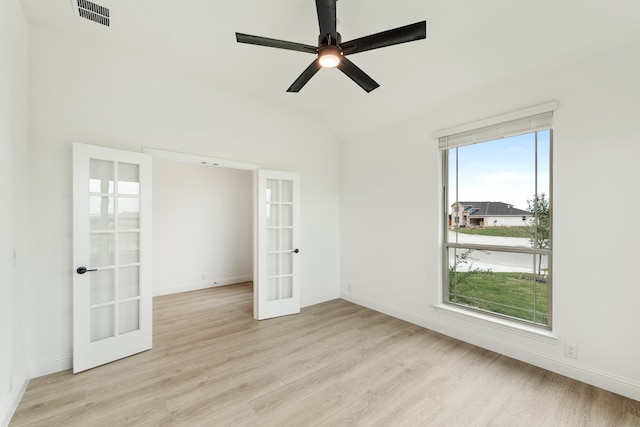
(497, 323)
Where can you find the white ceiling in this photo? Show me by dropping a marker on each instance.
(470, 44)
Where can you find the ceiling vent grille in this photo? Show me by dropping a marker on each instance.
(91, 11)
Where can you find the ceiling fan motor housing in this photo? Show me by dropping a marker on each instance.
(329, 40)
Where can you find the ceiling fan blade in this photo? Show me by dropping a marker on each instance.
(305, 77)
(327, 16)
(408, 33)
(280, 44)
(357, 75)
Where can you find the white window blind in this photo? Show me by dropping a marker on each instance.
(503, 129)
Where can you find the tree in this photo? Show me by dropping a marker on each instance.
(540, 224)
(461, 271)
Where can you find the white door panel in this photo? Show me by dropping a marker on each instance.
(112, 301)
(277, 287)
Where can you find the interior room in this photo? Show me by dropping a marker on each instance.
(203, 226)
(170, 75)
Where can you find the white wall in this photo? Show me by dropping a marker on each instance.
(85, 93)
(506, 221)
(390, 219)
(202, 226)
(14, 40)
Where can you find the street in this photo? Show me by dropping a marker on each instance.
(498, 261)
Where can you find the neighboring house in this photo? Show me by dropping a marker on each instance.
(487, 214)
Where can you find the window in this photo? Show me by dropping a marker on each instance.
(497, 232)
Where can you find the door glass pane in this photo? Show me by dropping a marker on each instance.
(286, 239)
(129, 316)
(128, 212)
(128, 248)
(102, 247)
(128, 179)
(273, 195)
(101, 213)
(273, 243)
(286, 215)
(102, 286)
(286, 188)
(286, 262)
(272, 289)
(101, 176)
(272, 265)
(102, 323)
(272, 215)
(129, 282)
(286, 287)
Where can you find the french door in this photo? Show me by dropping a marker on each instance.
(277, 282)
(112, 296)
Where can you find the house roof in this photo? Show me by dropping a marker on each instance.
(493, 209)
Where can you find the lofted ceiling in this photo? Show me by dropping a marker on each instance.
(470, 45)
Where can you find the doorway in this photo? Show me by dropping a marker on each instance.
(275, 231)
(116, 186)
(202, 226)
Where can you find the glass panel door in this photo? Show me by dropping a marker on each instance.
(278, 252)
(112, 227)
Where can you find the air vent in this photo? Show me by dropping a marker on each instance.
(91, 11)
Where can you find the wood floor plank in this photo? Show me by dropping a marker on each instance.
(335, 363)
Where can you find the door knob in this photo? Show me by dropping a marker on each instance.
(82, 270)
(295, 251)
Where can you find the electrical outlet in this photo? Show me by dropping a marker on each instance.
(202, 276)
(571, 350)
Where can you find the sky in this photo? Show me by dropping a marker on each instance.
(503, 170)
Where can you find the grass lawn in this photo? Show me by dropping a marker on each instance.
(511, 294)
(498, 231)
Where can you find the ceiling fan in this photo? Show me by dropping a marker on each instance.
(331, 51)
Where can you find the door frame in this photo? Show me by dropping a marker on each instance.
(224, 163)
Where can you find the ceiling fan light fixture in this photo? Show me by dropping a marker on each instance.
(331, 52)
(329, 56)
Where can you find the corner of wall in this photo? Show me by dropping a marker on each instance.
(13, 400)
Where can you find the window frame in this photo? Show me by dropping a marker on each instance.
(447, 245)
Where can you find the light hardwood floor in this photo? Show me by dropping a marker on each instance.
(334, 364)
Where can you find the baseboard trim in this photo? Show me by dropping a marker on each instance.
(12, 403)
(205, 284)
(562, 366)
(51, 366)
